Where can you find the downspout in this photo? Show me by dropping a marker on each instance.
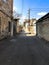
(11, 17)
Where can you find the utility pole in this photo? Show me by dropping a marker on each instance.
(29, 19)
(29, 16)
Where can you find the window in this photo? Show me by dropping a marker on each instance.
(5, 1)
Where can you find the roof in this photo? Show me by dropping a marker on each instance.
(43, 18)
(16, 19)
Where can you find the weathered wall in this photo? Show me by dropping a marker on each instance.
(4, 25)
(43, 29)
(6, 9)
(39, 30)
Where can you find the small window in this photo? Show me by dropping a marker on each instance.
(5, 1)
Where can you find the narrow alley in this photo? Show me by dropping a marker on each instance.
(24, 32)
(23, 50)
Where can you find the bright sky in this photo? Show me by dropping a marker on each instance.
(38, 7)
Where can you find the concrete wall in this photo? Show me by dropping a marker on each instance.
(43, 29)
(39, 30)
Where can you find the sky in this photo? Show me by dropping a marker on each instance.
(38, 8)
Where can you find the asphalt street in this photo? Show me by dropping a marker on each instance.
(23, 50)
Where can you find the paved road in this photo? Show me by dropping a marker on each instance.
(23, 50)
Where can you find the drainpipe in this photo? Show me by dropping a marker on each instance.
(12, 18)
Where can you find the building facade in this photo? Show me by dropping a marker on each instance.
(42, 28)
(6, 12)
(30, 27)
(33, 26)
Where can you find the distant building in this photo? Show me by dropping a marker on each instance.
(6, 12)
(33, 26)
(30, 26)
(26, 26)
(42, 27)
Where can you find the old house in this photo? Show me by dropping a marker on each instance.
(42, 27)
(6, 12)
